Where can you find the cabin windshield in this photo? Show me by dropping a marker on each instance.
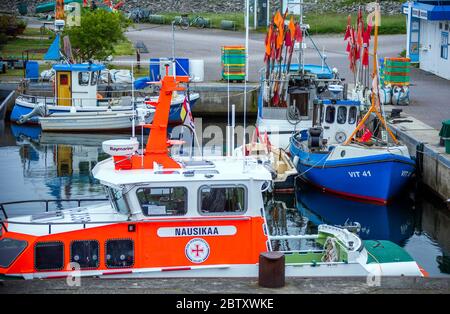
(117, 199)
(83, 78)
(342, 115)
(223, 199)
(169, 201)
(330, 113)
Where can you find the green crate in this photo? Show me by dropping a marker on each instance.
(397, 69)
(399, 79)
(390, 63)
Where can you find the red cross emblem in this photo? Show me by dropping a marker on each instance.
(197, 250)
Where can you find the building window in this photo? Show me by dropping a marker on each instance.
(85, 253)
(119, 253)
(171, 201)
(342, 115)
(222, 199)
(330, 112)
(352, 115)
(444, 45)
(83, 78)
(49, 256)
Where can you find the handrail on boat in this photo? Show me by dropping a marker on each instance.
(47, 201)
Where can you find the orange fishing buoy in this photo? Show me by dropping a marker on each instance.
(99, 96)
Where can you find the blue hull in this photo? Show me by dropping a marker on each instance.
(375, 178)
(19, 110)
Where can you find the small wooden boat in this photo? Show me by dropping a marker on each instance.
(276, 160)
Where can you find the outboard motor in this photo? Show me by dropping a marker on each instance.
(315, 138)
(39, 110)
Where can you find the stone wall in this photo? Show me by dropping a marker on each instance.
(219, 6)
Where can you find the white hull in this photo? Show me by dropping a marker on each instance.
(246, 271)
(87, 121)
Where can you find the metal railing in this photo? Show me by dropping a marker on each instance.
(47, 202)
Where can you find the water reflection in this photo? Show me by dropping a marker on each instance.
(393, 222)
(420, 226)
(35, 165)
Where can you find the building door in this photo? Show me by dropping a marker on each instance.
(414, 39)
(64, 90)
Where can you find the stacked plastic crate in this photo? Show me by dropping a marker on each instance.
(396, 75)
(233, 63)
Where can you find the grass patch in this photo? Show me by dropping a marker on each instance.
(336, 23)
(124, 48)
(327, 23)
(215, 18)
(143, 71)
(14, 47)
(19, 73)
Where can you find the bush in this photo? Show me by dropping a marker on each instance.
(11, 26)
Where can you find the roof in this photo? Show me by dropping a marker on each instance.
(342, 102)
(221, 169)
(79, 67)
(432, 11)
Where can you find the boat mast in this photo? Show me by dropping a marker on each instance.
(375, 106)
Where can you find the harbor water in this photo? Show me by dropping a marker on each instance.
(37, 165)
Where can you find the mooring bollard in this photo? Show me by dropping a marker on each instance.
(271, 270)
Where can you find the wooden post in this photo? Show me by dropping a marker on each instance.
(271, 270)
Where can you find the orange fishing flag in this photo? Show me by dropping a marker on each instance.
(292, 28)
(59, 10)
(279, 22)
(268, 40)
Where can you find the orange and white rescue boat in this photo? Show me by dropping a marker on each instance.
(189, 217)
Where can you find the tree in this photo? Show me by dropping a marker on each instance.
(98, 33)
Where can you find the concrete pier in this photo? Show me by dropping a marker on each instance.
(434, 163)
(344, 285)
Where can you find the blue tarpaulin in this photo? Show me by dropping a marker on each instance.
(53, 51)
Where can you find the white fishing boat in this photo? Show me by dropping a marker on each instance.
(92, 121)
(75, 92)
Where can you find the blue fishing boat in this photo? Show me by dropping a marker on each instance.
(372, 170)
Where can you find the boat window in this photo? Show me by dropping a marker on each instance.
(63, 79)
(10, 249)
(352, 115)
(118, 200)
(330, 112)
(341, 115)
(85, 253)
(157, 201)
(119, 253)
(83, 78)
(49, 256)
(94, 78)
(222, 199)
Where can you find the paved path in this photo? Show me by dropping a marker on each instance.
(206, 44)
(430, 95)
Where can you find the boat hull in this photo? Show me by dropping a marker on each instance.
(22, 108)
(94, 122)
(377, 178)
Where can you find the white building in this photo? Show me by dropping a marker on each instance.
(428, 27)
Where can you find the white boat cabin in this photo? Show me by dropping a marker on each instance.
(76, 84)
(338, 118)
